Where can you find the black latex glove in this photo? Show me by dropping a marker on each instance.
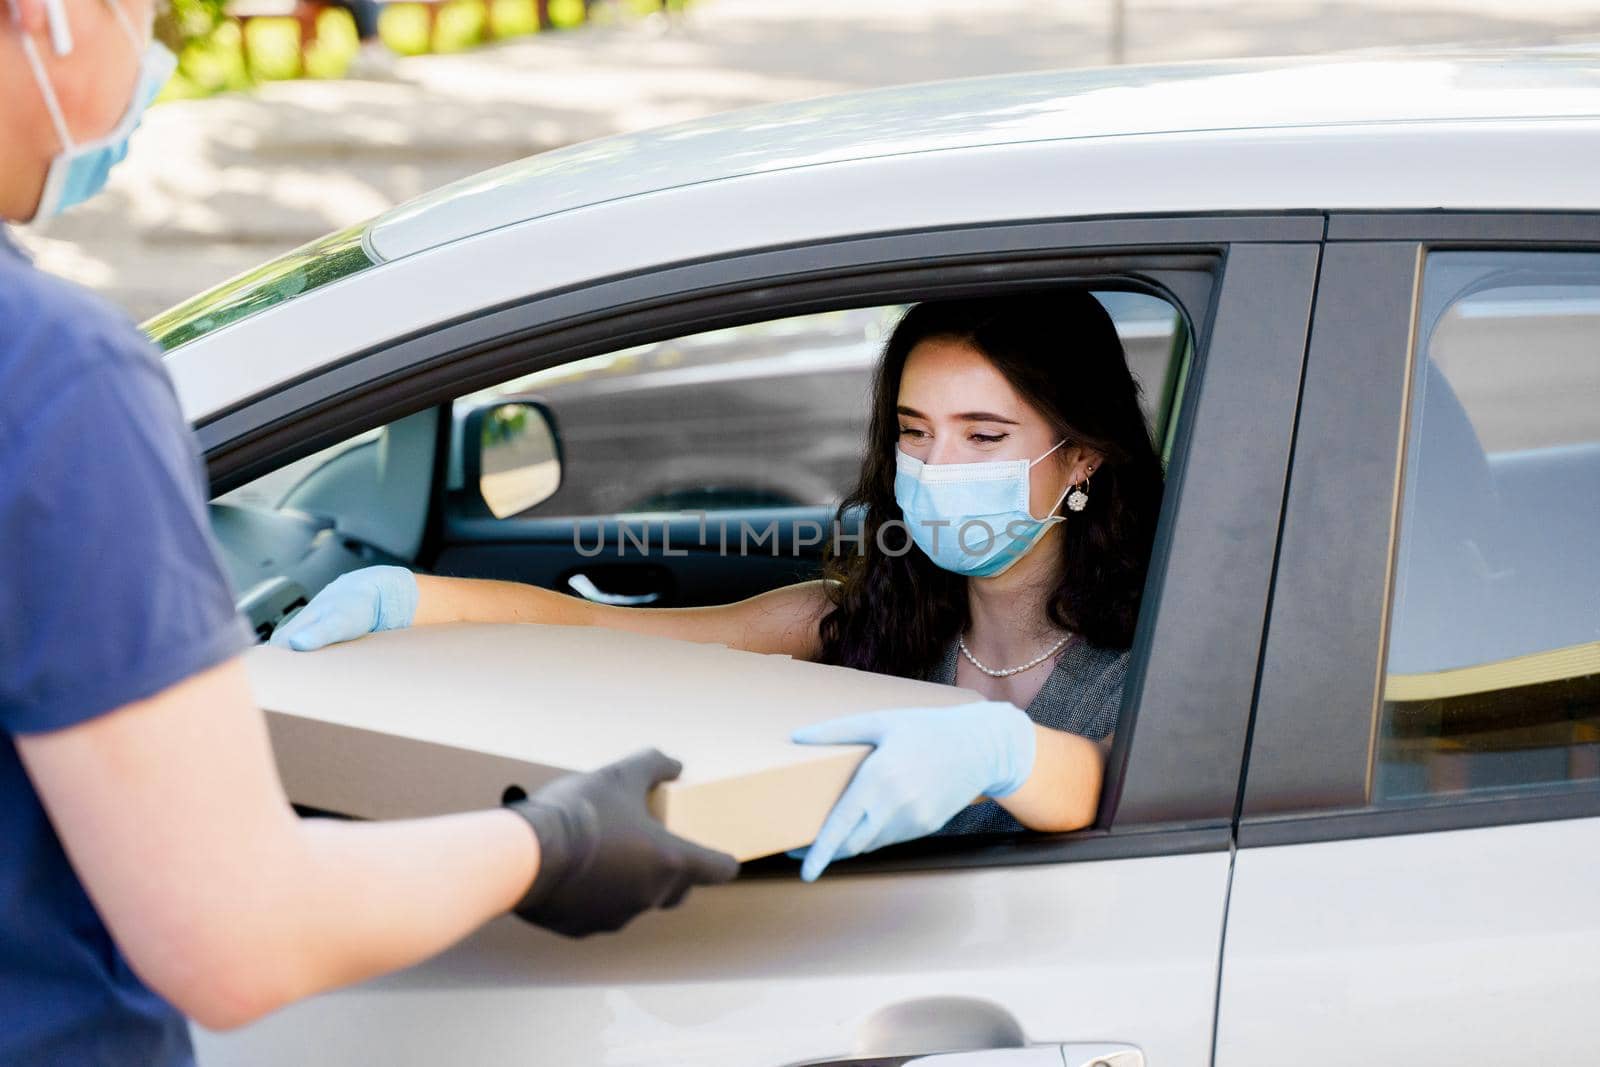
(603, 858)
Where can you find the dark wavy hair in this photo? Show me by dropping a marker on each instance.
(896, 614)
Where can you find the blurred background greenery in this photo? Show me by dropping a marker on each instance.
(218, 52)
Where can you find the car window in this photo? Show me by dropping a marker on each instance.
(767, 415)
(273, 489)
(1493, 671)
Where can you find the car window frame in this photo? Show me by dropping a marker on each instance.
(1243, 282)
(1314, 734)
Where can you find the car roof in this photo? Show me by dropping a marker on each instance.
(1173, 102)
(1511, 131)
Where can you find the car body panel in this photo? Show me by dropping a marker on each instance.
(1457, 925)
(769, 972)
(1467, 947)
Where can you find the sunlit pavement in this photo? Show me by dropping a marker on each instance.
(216, 186)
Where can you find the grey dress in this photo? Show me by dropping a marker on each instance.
(1082, 695)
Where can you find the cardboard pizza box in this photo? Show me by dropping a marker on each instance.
(441, 719)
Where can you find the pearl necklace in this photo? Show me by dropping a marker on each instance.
(1009, 671)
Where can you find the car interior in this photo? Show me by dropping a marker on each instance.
(577, 477)
(753, 426)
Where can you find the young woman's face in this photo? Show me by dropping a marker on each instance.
(955, 407)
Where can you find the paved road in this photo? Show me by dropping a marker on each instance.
(214, 187)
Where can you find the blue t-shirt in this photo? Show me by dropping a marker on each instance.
(110, 591)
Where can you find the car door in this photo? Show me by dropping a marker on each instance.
(1101, 945)
(1419, 847)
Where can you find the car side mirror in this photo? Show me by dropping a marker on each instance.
(512, 454)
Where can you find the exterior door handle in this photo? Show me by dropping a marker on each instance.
(584, 586)
(1101, 1056)
(1074, 1055)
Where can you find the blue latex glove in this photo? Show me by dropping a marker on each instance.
(361, 602)
(926, 765)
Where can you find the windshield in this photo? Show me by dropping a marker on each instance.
(309, 267)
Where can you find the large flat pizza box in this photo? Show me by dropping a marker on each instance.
(441, 719)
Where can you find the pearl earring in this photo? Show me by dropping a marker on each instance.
(1078, 499)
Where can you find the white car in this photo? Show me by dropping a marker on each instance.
(1353, 809)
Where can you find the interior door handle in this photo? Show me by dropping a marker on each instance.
(584, 586)
(272, 603)
(1074, 1055)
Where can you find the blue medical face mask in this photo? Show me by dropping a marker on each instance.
(971, 518)
(79, 171)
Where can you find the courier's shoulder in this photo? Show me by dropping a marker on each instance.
(53, 332)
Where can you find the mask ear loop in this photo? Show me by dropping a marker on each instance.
(46, 90)
(1051, 516)
(61, 41)
(127, 25)
(55, 13)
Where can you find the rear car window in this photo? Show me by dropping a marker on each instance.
(1493, 675)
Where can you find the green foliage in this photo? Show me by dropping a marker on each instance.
(565, 14)
(505, 423)
(513, 18)
(404, 28)
(461, 26)
(200, 35)
(337, 43)
(216, 55)
(184, 22)
(273, 48)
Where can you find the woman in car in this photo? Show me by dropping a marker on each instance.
(1007, 500)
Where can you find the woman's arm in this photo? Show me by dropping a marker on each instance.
(781, 621)
(1063, 791)
(929, 763)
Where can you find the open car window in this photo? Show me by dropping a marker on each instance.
(767, 415)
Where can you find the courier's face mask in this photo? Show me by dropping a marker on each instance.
(79, 171)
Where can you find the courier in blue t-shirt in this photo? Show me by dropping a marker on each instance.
(110, 592)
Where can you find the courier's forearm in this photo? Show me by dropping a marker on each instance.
(225, 902)
(1063, 792)
(333, 903)
(378, 896)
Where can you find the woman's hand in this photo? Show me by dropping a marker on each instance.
(354, 604)
(926, 765)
